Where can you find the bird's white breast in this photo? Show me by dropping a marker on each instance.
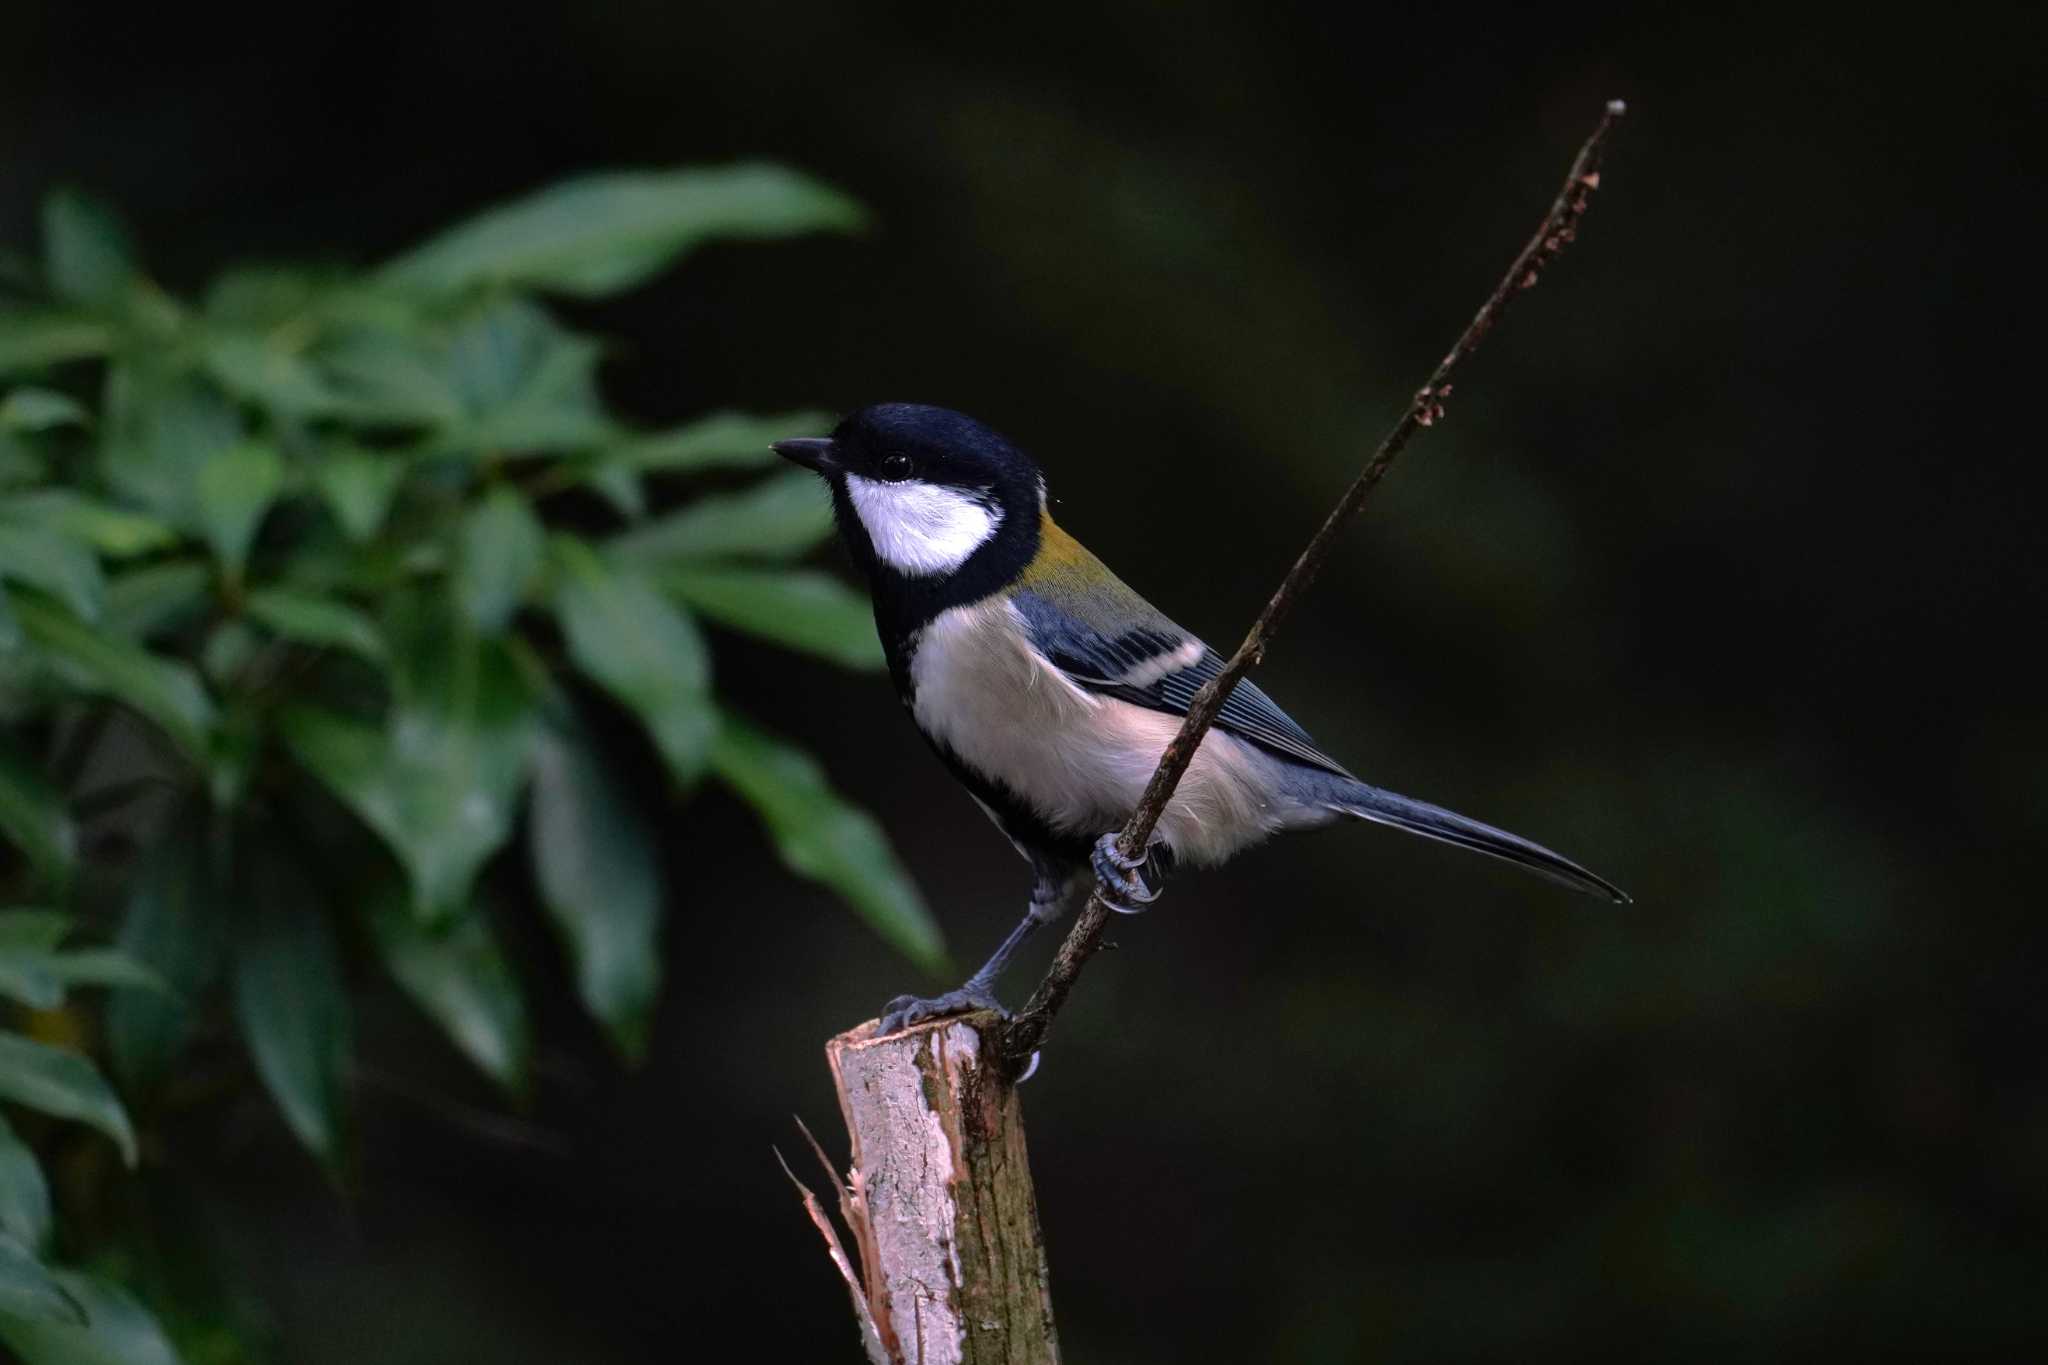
(1080, 760)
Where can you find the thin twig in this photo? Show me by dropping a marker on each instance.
(1023, 1035)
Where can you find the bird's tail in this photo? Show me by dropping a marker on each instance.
(1358, 800)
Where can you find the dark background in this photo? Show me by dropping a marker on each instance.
(1720, 578)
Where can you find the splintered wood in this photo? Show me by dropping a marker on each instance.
(939, 1200)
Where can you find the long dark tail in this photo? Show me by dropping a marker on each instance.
(1434, 822)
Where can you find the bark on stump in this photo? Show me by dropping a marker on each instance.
(952, 1263)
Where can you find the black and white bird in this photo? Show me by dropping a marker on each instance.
(1050, 688)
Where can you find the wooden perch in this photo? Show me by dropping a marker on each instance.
(939, 1199)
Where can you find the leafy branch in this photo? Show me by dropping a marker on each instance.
(311, 587)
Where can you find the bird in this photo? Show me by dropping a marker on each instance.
(1050, 688)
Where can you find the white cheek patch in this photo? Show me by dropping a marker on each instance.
(922, 528)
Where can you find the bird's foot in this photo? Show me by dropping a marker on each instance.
(906, 1010)
(1126, 890)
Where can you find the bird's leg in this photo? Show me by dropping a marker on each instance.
(1129, 891)
(1048, 900)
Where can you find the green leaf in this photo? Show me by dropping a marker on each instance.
(113, 531)
(32, 341)
(800, 608)
(602, 234)
(821, 836)
(317, 621)
(499, 553)
(618, 483)
(524, 383)
(39, 978)
(600, 881)
(236, 487)
(23, 981)
(389, 377)
(157, 598)
(37, 819)
(459, 976)
(27, 941)
(118, 1330)
(278, 378)
(159, 433)
(21, 464)
(383, 570)
(498, 347)
(290, 999)
(231, 646)
(237, 745)
(45, 558)
(24, 1194)
(22, 928)
(721, 441)
(40, 410)
(261, 297)
(779, 517)
(104, 967)
(634, 644)
(165, 691)
(359, 486)
(176, 924)
(87, 258)
(64, 1085)
(439, 783)
(29, 1293)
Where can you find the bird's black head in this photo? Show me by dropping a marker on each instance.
(937, 508)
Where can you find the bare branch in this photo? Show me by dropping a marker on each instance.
(1027, 1030)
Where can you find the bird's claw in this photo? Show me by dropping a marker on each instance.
(906, 1010)
(1125, 889)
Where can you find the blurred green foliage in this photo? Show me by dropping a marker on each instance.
(307, 590)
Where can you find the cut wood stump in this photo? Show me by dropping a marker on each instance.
(951, 1262)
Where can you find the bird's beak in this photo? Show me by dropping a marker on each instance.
(812, 452)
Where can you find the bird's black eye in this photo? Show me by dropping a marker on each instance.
(894, 467)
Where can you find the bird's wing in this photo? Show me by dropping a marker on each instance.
(1147, 660)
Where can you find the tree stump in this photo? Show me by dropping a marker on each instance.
(939, 1199)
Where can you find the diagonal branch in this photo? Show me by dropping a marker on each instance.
(1027, 1030)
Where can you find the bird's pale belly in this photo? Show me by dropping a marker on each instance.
(1080, 760)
